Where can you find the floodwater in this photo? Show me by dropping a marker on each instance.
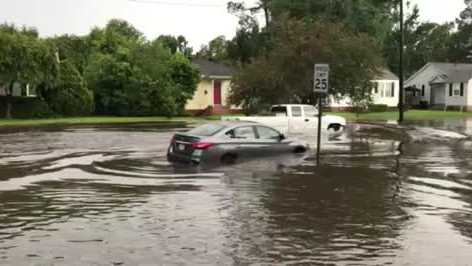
(107, 196)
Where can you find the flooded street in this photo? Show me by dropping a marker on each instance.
(108, 196)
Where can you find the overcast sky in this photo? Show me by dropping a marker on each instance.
(198, 20)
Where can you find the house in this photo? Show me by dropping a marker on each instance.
(444, 85)
(385, 91)
(18, 90)
(211, 96)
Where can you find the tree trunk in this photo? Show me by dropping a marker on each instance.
(9, 100)
(8, 111)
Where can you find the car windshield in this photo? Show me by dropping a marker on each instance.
(310, 111)
(279, 111)
(206, 130)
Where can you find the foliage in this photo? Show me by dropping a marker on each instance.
(461, 40)
(376, 108)
(25, 59)
(74, 49)
(138, 77)
(372, 17)
(424, 42)
(70, 96)
(285, 74)
(216, 50)
(176, 44)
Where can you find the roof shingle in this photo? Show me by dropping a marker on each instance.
(213, 69)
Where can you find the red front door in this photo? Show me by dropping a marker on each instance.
(217, 92)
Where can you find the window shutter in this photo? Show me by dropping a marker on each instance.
(422, 90)
(450, 89)
(393, 89)
(462, 88)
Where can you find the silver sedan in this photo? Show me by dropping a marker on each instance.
(227, 142)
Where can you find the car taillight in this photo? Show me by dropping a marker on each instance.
(202, 145)
(172, 141)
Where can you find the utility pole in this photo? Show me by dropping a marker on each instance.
(402, 39)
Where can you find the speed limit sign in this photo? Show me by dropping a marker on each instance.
(321, 78)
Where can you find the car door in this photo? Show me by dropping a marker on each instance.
(272, 142)
(244, 140)
(296, 121)
(310, 115)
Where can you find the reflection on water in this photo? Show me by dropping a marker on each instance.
(95, 196)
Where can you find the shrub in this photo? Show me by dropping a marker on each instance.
(378, 108)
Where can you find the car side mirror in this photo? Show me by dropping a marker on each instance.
(281, 137)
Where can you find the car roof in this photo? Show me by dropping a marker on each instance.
(234, 123)
(289, 105)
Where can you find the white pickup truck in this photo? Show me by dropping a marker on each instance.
(292, 119)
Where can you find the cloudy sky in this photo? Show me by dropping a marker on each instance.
(198, 20)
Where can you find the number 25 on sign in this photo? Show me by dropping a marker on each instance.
(321, 78)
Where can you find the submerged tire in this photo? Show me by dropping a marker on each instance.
(300, 149)
(335, 128)
(228, 159)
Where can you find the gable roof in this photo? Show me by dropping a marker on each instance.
(386, 74)
(448, 72)
(213, 69)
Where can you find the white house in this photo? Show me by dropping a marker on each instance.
(385, 91)
(18, 90)
(444, 85)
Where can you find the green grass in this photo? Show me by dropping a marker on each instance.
(96, 120)
(105, 120)
(412, 115)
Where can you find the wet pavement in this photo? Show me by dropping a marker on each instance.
(107, 196)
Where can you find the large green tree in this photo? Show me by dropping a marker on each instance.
(461, 40)
(132, 76)
(176, 44)
(424, 42)
(373, 17)
(285, 73)
(25, 59)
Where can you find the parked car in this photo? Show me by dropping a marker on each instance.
(291, 119)
(227, 142)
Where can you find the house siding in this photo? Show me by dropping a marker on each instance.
(202, 100)
(424, 78)
(455, 100)
(468, 95)
(386, 99)
(377, 98)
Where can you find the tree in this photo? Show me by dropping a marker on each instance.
(239, 8)
(132, 76)
(217, 49)
(424, 42)
(461, 41)
(285, 74)
(26, 60)
(69, 96)
(76, 50)
(372, 17)
(176, 44)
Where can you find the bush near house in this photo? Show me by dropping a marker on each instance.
(27, 108)
(377, 108)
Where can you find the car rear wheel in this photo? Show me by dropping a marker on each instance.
(300, 149)
(335, 128)
(228, 159)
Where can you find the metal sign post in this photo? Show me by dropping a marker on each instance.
(321, 87)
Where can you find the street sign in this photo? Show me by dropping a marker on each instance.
(321, 78)
(321, 87)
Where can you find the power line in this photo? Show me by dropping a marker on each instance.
(168, 3)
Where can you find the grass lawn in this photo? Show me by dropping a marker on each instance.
(96, 120)
(411, 115)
